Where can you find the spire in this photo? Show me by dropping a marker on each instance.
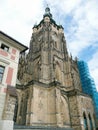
(47, 12)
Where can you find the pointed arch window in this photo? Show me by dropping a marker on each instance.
(85, 121)
(90, 121)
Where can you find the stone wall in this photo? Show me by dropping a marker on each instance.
(80, 104)
(50, 93)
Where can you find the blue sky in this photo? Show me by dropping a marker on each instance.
(78, 17)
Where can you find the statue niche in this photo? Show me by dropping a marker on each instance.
(36, 69)
(58, 73)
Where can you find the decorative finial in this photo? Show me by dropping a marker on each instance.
(35, 23)
(70, 55)
(47, 12)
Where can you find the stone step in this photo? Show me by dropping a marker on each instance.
(45, 129)
(39, 128)
(23, 129)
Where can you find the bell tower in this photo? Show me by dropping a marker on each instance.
(48, 50)
(50, 84)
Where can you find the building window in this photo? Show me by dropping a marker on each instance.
(4, 47)
(90, 121)
(85, 121)
(1, 72)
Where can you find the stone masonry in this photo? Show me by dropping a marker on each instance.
(49, 93)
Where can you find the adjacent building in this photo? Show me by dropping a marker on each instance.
(50, 93)
(88, 84)
(9, 57)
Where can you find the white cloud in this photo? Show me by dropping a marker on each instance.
(17, 17)
(87, 26)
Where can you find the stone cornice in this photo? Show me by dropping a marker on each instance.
(33, 82)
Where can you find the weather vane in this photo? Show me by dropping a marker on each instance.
(46, 4)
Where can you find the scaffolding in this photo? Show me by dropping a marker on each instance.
(88, 84)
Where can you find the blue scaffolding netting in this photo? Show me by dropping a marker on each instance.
(88, 84)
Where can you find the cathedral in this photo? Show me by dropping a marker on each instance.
(49, 92)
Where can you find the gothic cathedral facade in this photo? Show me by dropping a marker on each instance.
(49, 92)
